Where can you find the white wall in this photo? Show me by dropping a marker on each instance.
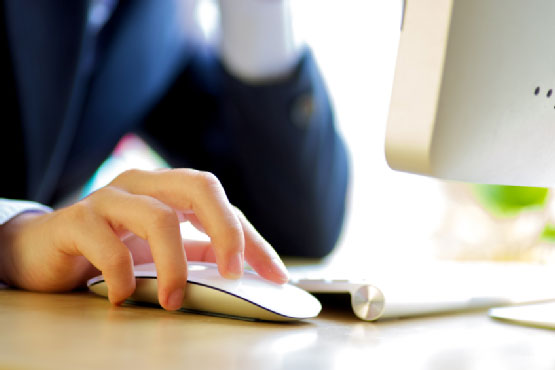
(355, 41)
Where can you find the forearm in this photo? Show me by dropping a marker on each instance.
(269, 137)
(294, 163)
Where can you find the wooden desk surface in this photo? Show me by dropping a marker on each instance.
(79, 330)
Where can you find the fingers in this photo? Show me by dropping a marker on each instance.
(150, 205)
(147, 205)
(201, 193)
(105, 251)
(156, 223)
(260, 254)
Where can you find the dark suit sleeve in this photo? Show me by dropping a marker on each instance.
(273, 146)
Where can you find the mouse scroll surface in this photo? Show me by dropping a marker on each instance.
(207, 291)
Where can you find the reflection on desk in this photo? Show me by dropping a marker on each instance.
(79, 330)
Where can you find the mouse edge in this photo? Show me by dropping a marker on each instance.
(196, 300)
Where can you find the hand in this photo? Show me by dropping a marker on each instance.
(59, 251)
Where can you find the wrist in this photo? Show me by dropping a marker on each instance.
(10, 235)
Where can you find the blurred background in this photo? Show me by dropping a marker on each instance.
(396, 217)
(392, 217)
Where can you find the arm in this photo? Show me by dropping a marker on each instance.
(135, 219)
(294, 163)
(270, 140)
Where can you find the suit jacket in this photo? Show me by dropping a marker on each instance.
(72, 94)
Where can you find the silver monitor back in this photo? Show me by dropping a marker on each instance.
(474, 92)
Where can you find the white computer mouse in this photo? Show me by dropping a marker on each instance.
(250, 297)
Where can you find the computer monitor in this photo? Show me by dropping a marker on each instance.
(474, 92)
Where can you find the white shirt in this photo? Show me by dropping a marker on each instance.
(257, 41)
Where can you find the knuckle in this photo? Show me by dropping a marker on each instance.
(210, 179)
(207, 181)
(240, 215)
(76, 220)
(125, 176)
(118, 260)
(235, 226)
(80, 212)
(163, 216)
(95, 201)
(103, 193)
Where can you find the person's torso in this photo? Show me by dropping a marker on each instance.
(75, 89)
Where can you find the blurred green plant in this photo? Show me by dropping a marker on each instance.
(508, 201)
(548, 234)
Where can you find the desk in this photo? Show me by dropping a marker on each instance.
(79, 330)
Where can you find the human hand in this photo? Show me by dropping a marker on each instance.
(59, 251)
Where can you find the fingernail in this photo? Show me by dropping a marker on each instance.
(175, 299)
(235, 266)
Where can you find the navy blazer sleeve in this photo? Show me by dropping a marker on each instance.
(273, 146)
